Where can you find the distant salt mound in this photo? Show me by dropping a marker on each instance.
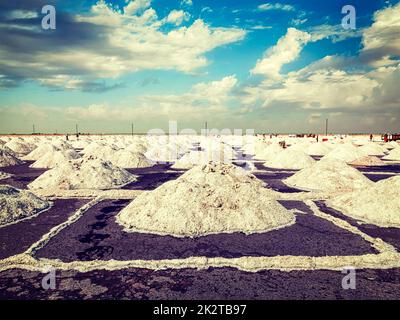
(20, 147)
(329, 175)
(318, 149)
(193, 158)
(164, 153)
(345, 152)
(100, 151)
(83, 174)
(7, 159)
(268, 152)
(394, 154)
(214, 198)
(391, 145)
(290, 159)
(18, 204)
(372, 149)
(378, 204)
(40, 151)
(129, 159)
(368, 161)
(55, 158)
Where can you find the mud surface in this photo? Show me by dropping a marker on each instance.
(188, 284)
(22, 175)
(97, 236)
(389, 235)
(16, 238)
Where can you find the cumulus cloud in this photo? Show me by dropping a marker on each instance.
(105, 43)
(286, 50)
(275, 6)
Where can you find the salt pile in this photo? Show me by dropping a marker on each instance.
(268, 152)
(18, 204)
(372, 149)
(345, 152)
(83, 174)
(55, 158)
(290, 159)
(318, 149)
(368, 161)
(7, 159)
(40, 151)
(214, 198)
(20, 147)
(394, 154)
(129, 159)
(378, 204)
(329, 175)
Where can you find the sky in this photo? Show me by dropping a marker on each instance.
(280, 67)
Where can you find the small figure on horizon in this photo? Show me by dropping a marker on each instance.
(371, 137)
(317, 138)
(66, 137)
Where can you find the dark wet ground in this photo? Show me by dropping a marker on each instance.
(378, 177)
(389, 235)
(16, 238)
(97, 236)
(388, 168)
(189, 284)
(22, 175)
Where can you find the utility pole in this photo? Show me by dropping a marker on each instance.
(132, 129)
(326, 127)
(33, 128)
(76, 128)
(206, 126)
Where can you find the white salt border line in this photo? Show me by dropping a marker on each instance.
(386, 259)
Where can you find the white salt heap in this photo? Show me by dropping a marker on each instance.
(378, 204)
(83, 174)
(55, 158)
(7, 159)
(329, 175)
(394, 154)
(318, 149)
(129, 159)
(213, 198)
(368, 161)
(20, 146)
(18, 204)
(290, 159)
(269, 151)
(372, 149)
(345, 152)
(40, 151)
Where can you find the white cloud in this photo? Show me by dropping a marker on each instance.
(285, 51)
(137, 5)
(177, 17)
(275, 6)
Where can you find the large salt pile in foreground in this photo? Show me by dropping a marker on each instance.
(55, 158)
(18, 204)
(329, 175)
(378, 204)
(345, 152)
(7, 159)
(83, 174)
(213, 198)
(394, 154)
(290, 159)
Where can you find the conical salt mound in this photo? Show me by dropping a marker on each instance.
(329, 175)
(318, 149)
(345, 152)
(83, 174)
(372, 149)
(394, 154)
(208, 199)
(20, 147)
(290, 159)
(55, 158)
(193, 158)
(40, 151)
(368, 161)
(378, 204)
(129, 159)
(17, 204)
(7, 159)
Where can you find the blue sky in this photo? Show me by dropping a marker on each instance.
(110, 63)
